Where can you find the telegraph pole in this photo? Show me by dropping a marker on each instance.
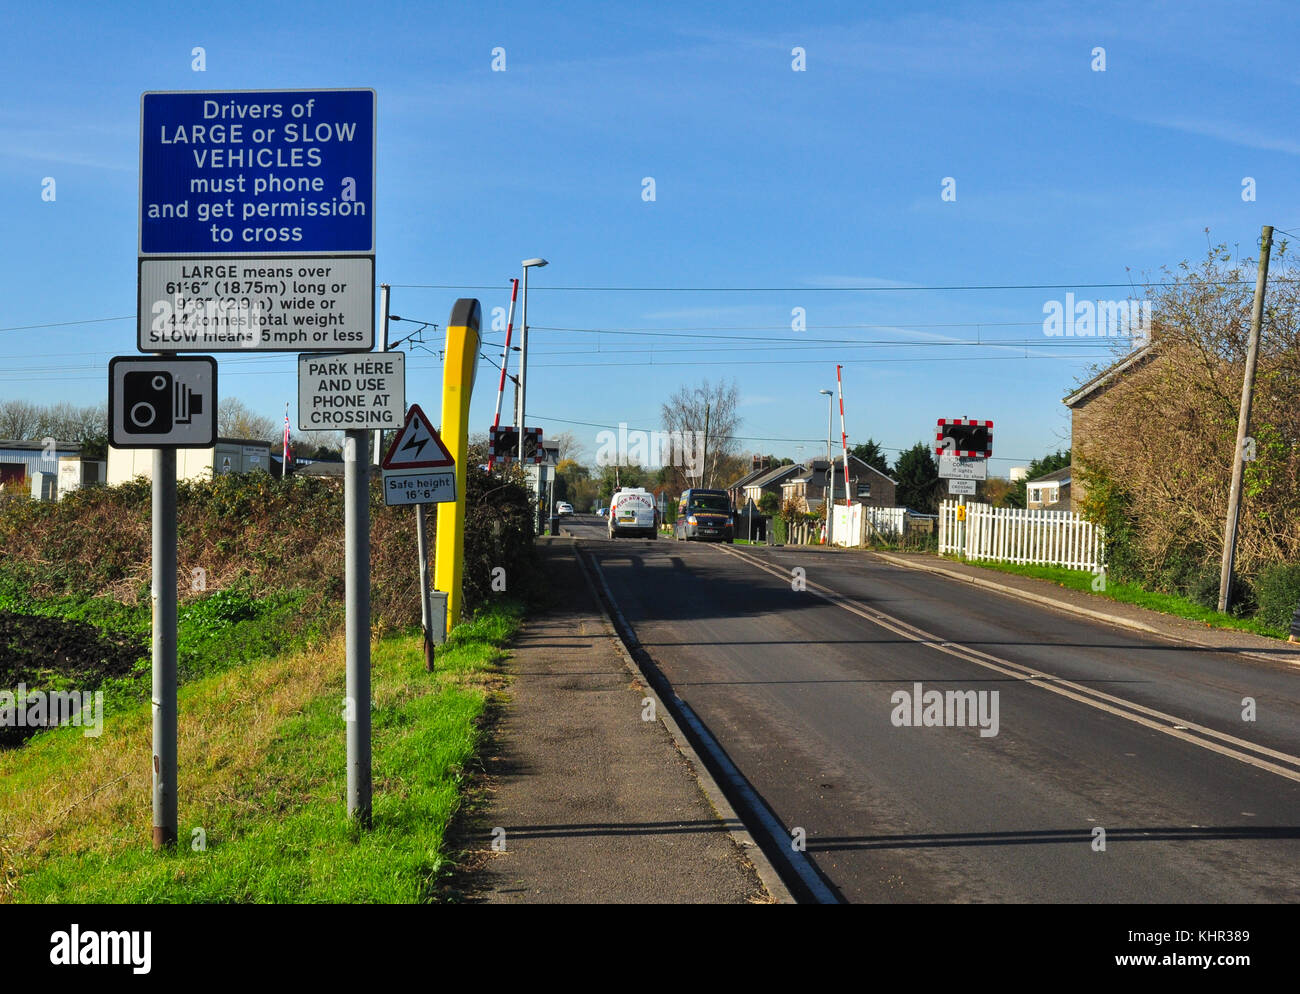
(1243, 419)
(704, 464)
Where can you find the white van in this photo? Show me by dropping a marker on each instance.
(632, 512)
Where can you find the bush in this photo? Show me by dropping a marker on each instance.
(1204, 590)
(1278, 591)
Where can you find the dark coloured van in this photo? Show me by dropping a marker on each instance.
(704, 515)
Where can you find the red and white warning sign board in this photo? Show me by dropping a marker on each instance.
(417, 468)
(417, 445)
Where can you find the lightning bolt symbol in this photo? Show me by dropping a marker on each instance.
(417, 443)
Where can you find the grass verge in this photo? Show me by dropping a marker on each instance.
(262, 780)
(1131, 593)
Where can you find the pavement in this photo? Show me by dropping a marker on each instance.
(585, 801)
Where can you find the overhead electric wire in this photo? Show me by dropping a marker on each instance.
(821, 289)
(736, 438)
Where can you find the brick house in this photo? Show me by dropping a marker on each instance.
(867, 485)
(1050, 492)
(768, 482)
(1133, 372)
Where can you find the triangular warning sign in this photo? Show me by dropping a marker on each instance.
(417, 445)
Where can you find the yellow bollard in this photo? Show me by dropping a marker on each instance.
(458, 371)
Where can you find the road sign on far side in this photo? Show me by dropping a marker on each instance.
(351, 392)
(158, 403)
(966, 487)
(417, 445)
(963, 468)
(963, 437)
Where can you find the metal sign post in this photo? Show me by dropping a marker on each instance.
(257, 233)
(964, 447)
(163, 404)
(419, 470)
(356, 517)
(165, 816)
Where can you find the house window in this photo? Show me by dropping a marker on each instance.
(1036, 495)
(864, 491)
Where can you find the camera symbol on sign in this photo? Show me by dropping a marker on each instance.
(154, 403)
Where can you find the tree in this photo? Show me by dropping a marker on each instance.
(18, 419)
(769, 503)
(995, 490)
(918, 479)
(622, 476)
(1050, 463)
(565, 442)
(568, 477)
(236, 420)
(693, 409)
(1159, 442)
(86, 427)
(872, 454)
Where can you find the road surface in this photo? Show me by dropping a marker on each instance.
(1121, 769)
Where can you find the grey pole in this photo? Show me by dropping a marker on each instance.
(425, 607)
(523, 366)
(830, 466)
(356, 498)
(383, 347)
(164, 648)
(1243, 420)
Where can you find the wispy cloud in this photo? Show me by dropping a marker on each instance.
(1233, 134)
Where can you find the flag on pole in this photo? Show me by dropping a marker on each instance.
(286, 455)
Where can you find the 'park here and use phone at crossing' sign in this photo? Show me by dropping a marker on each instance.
(351, 392)
(418, 469)
(257, 226)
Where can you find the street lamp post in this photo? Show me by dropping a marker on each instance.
(830, 467)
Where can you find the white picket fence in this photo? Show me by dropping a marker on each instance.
(1012, 535)
(858, 524)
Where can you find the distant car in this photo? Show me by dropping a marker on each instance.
(563, 507)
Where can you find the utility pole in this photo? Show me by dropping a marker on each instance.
(829, 497)
(704, 465)
(1243, 419)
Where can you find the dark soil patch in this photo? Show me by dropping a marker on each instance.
(51, 653)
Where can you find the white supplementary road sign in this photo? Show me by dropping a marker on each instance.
(417, 468)
(159, 403)
(963, 468)
(257, 226)
(966, 487)
(351, 392)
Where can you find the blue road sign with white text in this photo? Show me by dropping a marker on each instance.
(257, 172)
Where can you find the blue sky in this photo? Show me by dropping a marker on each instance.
(817, 189)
